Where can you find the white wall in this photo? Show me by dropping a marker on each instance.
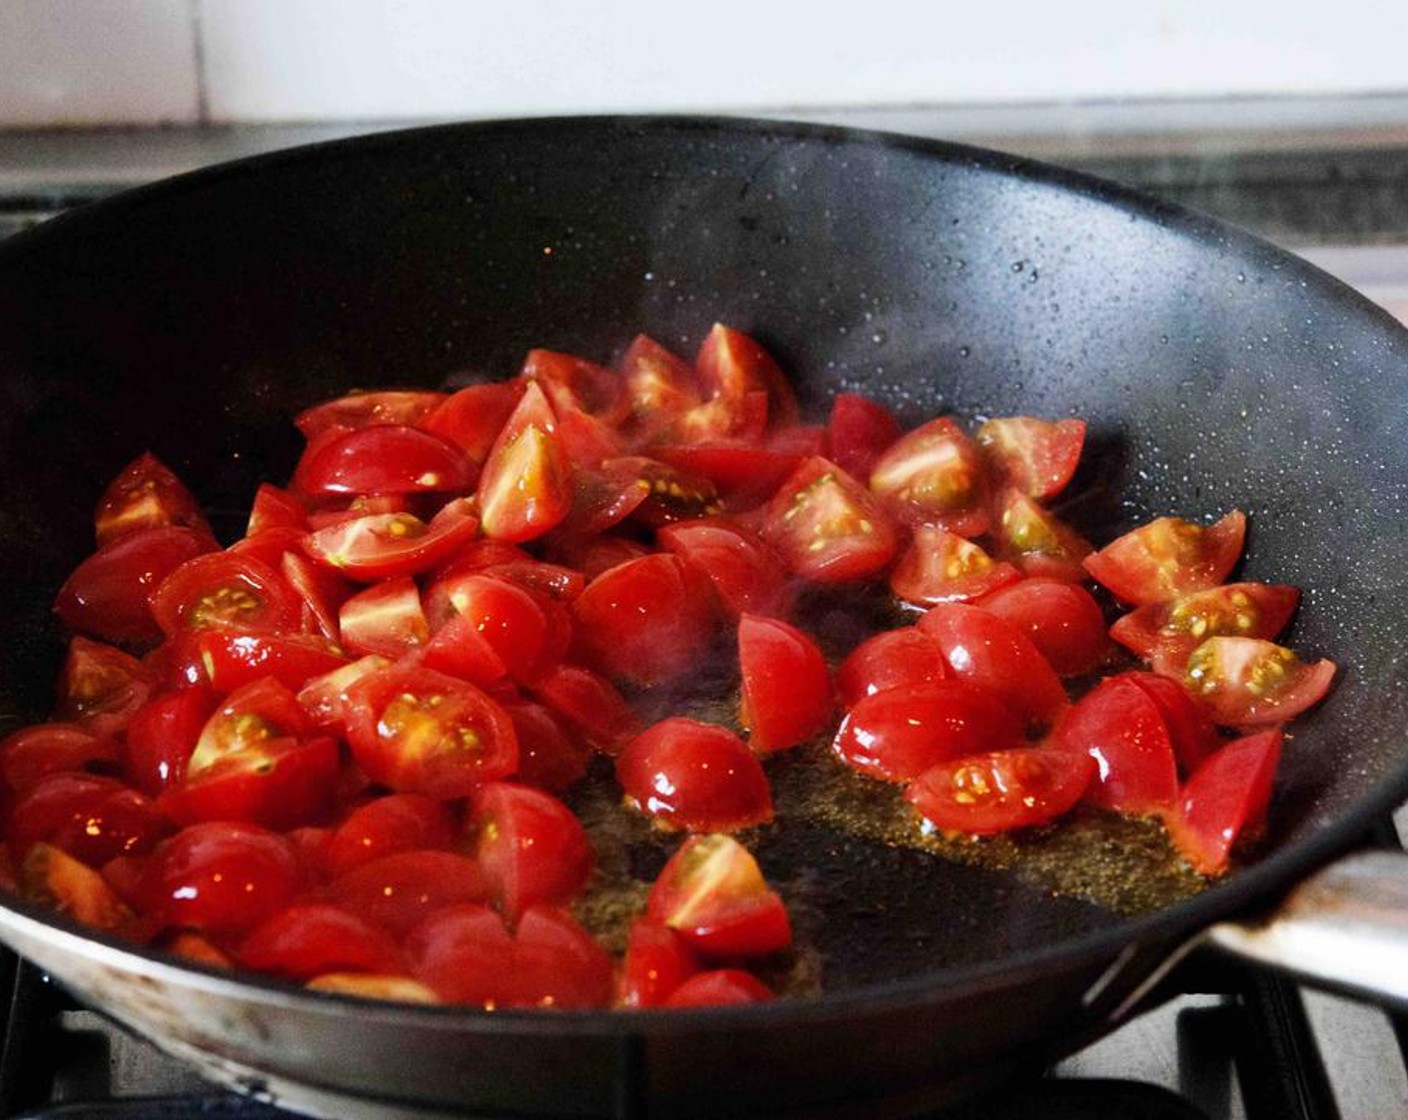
(183, 61)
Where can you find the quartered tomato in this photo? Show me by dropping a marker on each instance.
(275, 508)
(787, 694)
(91, 817)
(224, 589)
(525, 488)
(386, 619)
(309, 939)
(1190, 729)
(231, 658)
(1038, 457)
(280, 783)
(549, 756)
(590, 707)
(745, 571)
(383, 459)
(472, 418)
(902, 732)
(733, 366)
(418, 731)
(146, 495)
(1250, 682)
(934, 475)
(33, 753)
(1225, 801)
(1034, 539)
(858, 433)
(1001, 790)
(101, 685)
(399, 891)
(720, 987)
(1122, 728)
(1166, 633)
(387, 545)
(395, 823)
(1062, 619)
(657, 962)
(1169, 558)
(365, 410)
(693, 775)
(162, 734)
(518, 633)
(939, 566)
(827, 527)
(660, 387)
(712, 893)
(575, 382)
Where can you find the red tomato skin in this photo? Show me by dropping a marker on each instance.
(145, 495)
(161, 736)
(1123, 729)
(106, 596)
(365, 410)
(1190, 730)
(222, 877)
(394, 822)
(1038, 457)
(583, 385)
(827, 527)
(383, 459)
(695, 776)
(901, 658)
(939, 567)
(712, 893)
(643, 621)
(548, 756)
(990, 652)
(787, 693)
(982, 795)
(91, 817)
(657, 961)
(733, 365)
(590, 706)
(231, 659)
(746, 573)
(275, 508)
(33, 753)
(858, 432)
(397, 731)
(398, 891)
(1225, 801)
(385, 618)
(390, 545)
(660, 386)
(1062, 619)
(898, 734)
(309, 939)
(467, 956)
(720, 987)
(1169, 558)
(472, 417)
(744, 473)
(530, 846)
(507, 617)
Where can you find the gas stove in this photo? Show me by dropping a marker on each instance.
(1220, 1042)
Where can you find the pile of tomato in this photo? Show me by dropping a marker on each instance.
(335, 751)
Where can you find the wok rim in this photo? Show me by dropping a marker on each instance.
(1238, 896)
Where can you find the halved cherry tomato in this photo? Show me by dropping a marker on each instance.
(365, 410)
(657, 961)
(100, 684)
(1225, 801)
(934, 475)
(1001, 790)
(898, 734)
(1166, 633)
(901, 658)
(1190, 729)
(644, 621)
(386, 545)
(660, 387)
(418, 731)
(399, 891)
(530, 846)
(827, 527)
(1062, 619)
(31, 754)
(590, 706)
(548, 756)
(396, 822)
(1249, 682)
(732, 365)
(989, 651)
(858, 433)
(324, 698)
(1169, 558)
(466, 955)
(275, 508)
(91, 817)
(509, 621)
(787, 694)
(224, 877)
(472, 418)
(1038, 457)
(742, 473)
(720, 987)
(697, 776)
(1119, 725)
(746, 573)
(258, 713)
(146, 495)
(106, 596)
(712, 893)
(525, 488)
(309, 939)
(223, 589)
(231, 659)
(161, 736)
(939, 566)
(280, 783)
(383, 459)
(319, 591)
(583, 385)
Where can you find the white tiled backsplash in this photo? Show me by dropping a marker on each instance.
(189, 61)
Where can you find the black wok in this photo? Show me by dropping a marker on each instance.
(195, 316)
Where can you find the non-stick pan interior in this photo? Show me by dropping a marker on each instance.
(196, 317)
